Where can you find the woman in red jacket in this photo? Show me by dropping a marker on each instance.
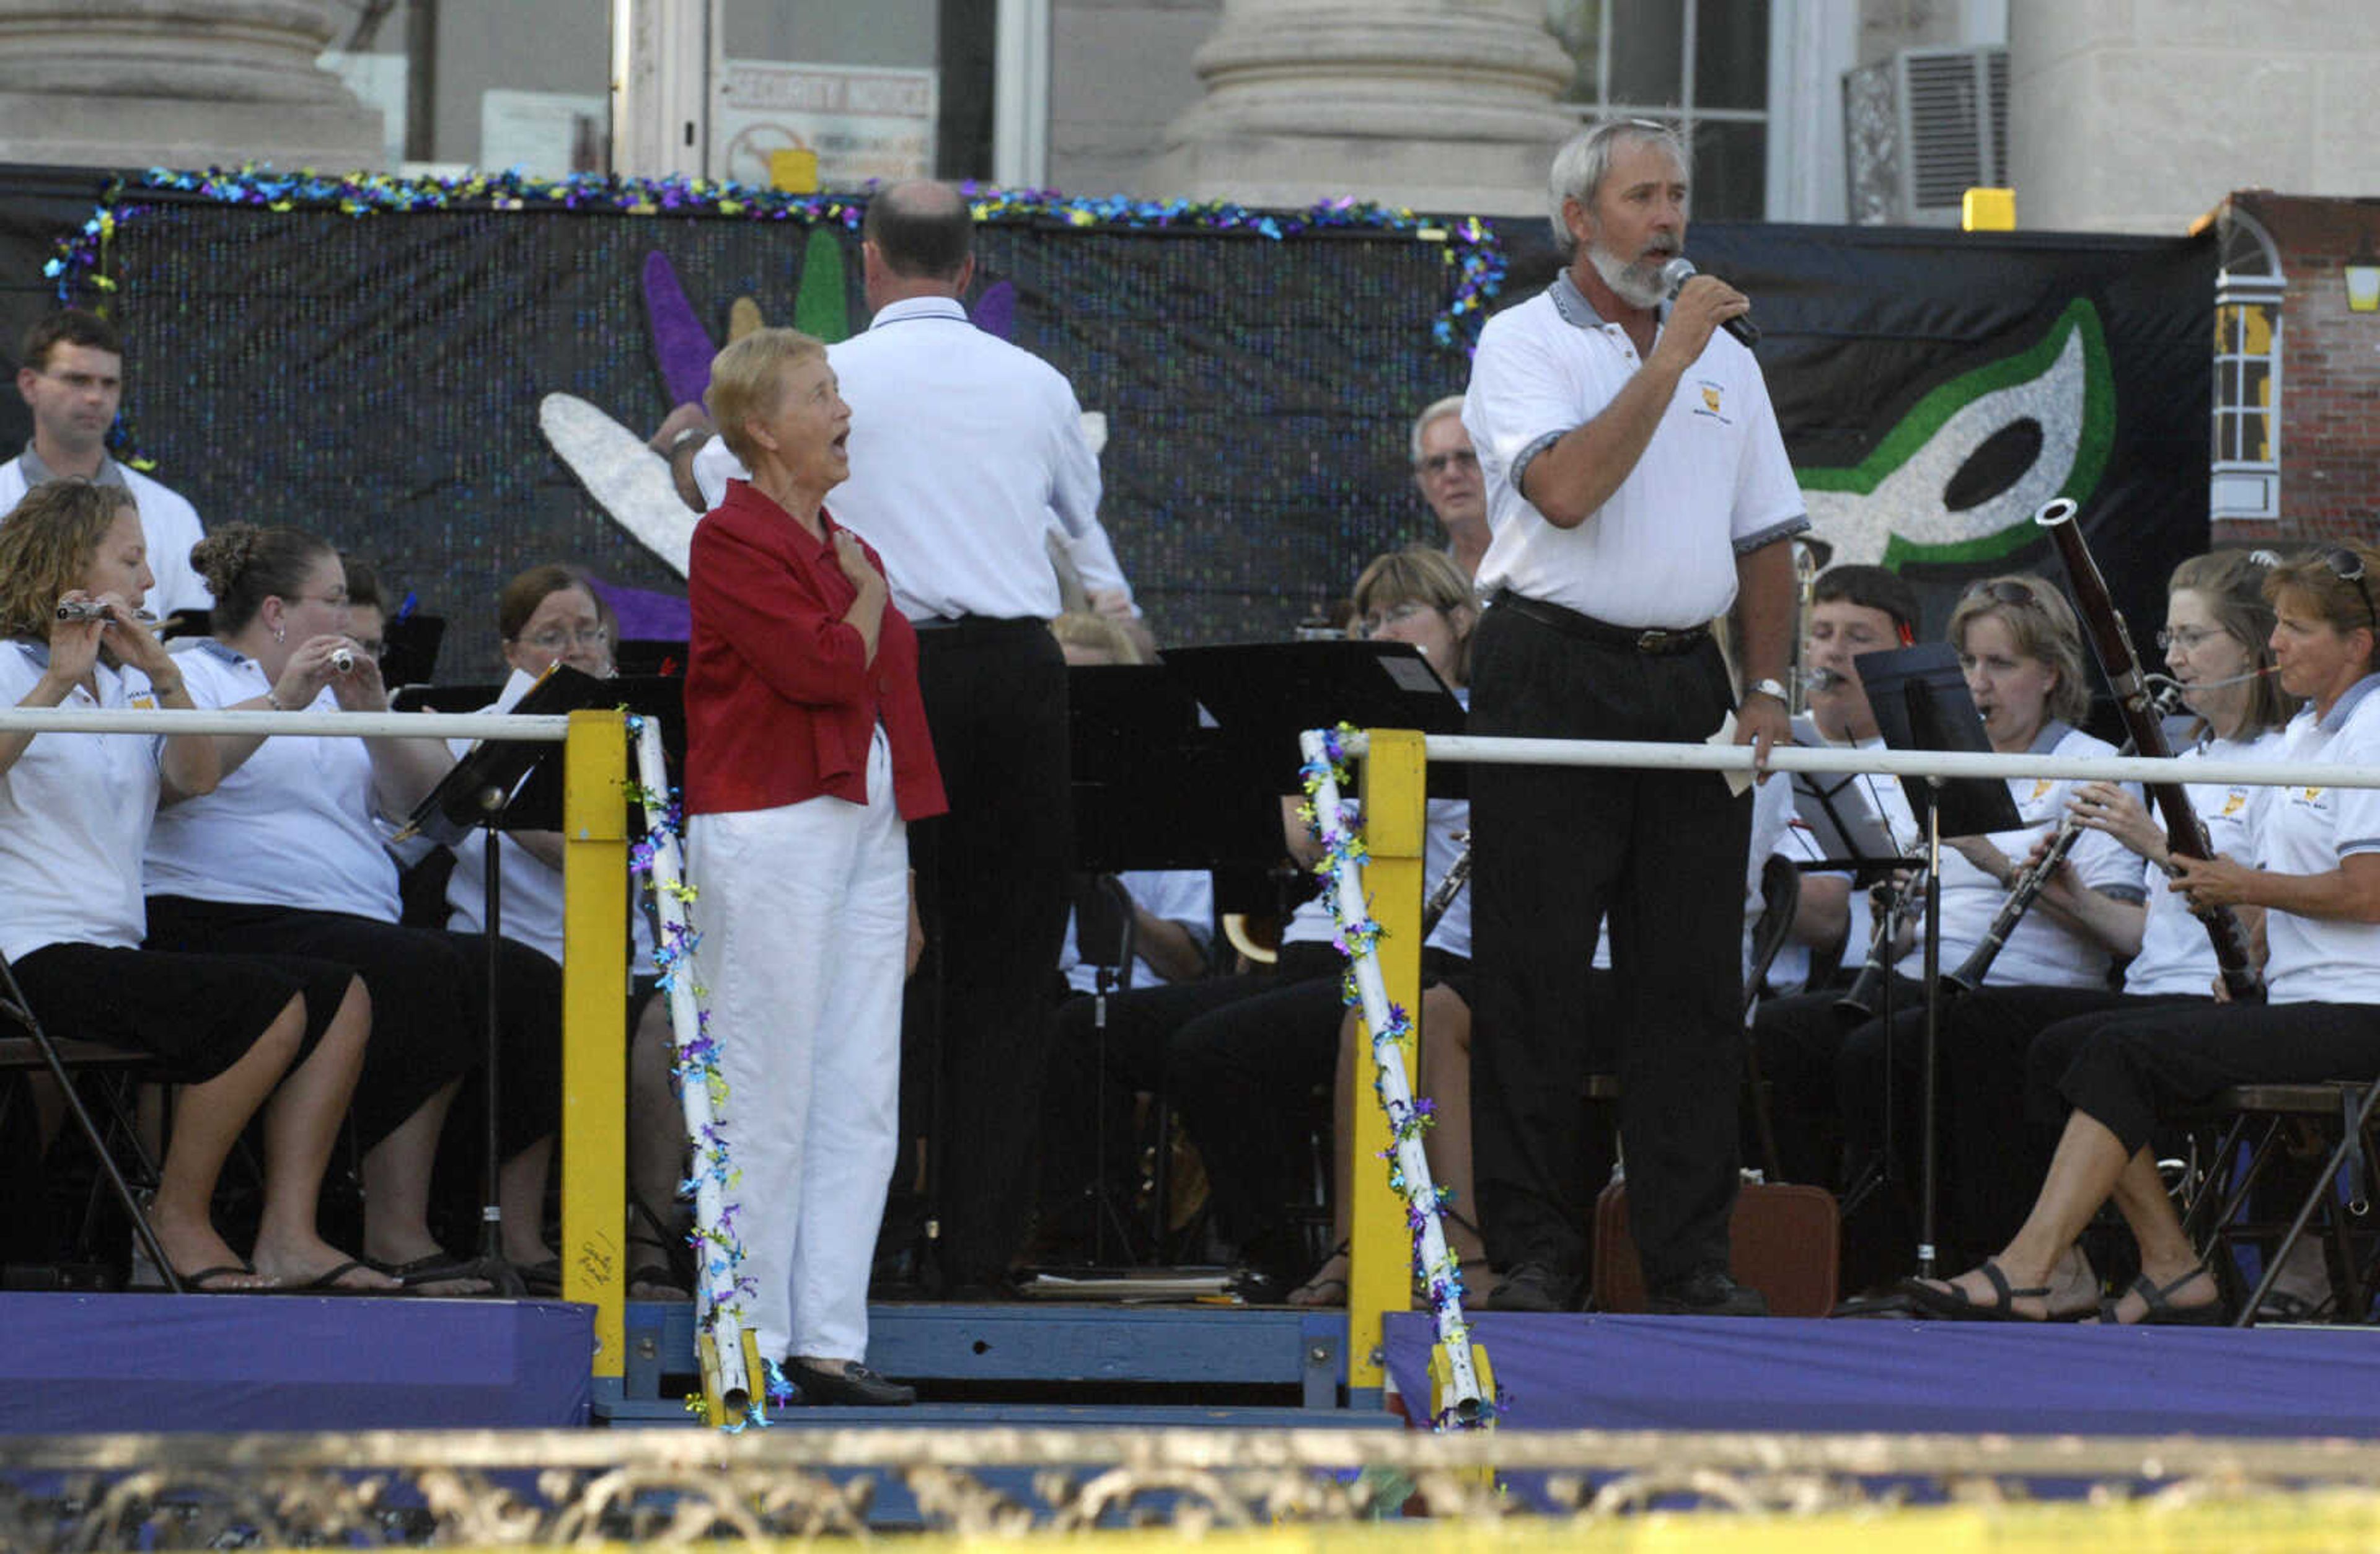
(806, 756)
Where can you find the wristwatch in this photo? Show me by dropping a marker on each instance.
(1769, 687)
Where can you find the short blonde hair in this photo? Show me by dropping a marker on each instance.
(1417, 574)
(46, 547)
(747, 380)
(2045, 629)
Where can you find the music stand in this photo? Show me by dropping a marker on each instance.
(1918, 698)
(1269, 693)
(514, 784)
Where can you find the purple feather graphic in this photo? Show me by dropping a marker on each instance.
(995, 312)
(680, 343)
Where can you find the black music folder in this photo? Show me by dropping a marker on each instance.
(1920, 700)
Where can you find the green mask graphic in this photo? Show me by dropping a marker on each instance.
(1915, 497)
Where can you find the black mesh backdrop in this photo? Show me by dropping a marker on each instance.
(376, 380)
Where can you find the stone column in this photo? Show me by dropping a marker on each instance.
(177, 83)
(1442, 105)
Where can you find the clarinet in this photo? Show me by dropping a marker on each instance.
(1458, 874)
(2028, 884)
(2184, 835)
(1858, 999)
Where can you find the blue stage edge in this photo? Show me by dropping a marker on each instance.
(1687, 1373)
(74, 1363)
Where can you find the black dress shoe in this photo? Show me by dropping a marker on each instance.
(1534, 1287)
(847, 1381)
(1710, 1292)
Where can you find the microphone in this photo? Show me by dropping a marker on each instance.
(1680, 270)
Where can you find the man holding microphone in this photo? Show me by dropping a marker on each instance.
(1637, 488)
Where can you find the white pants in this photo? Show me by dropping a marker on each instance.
(803, 916)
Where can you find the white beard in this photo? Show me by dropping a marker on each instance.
(1638, 284)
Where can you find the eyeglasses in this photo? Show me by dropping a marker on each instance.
(1380, 621)
(2187, 637)
(555, 639)
(1438, 464)
(2348, 567)
(337, 601)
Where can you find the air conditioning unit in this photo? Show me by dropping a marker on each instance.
(1922, 128)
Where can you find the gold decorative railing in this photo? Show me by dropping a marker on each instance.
(485, 1488)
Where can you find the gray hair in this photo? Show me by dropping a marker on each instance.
(1450, 406)
(1585, 157)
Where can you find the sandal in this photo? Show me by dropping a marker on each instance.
(2158, 1309)
(1321, 1289)
(1953, 1303)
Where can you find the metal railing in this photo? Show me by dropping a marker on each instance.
(595, 972)
(1392, 777)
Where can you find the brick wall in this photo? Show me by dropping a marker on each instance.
(2330, 372)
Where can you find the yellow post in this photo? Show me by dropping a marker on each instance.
(1379, 1275)
(594, 1028)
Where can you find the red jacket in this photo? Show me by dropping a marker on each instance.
(781, 703)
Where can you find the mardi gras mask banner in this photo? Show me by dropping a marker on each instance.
(395, 382)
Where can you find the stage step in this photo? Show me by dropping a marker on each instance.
(74, 1363)
(1096, 1347)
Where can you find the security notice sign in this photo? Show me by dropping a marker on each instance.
(863, 121)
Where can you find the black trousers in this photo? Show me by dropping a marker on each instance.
(428, 997)
(1553, 851)
(2128, 1072)
(1993, 1135)
(991, 892)
(1235, 1127)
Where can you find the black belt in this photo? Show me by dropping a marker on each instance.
(979, 623)
(1572, 624)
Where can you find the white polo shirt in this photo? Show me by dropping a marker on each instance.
(964, 450)
(2176, 955)
(291, 827)
(532, 908)
(168, 524)
(1175, 895)
(73, 810)
(2308, 831)
(2040, 951)
(1713, 483)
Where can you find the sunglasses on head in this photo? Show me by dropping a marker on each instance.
(2347, 567)
(2006, 591)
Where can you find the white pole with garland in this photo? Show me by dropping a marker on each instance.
(734, 1382)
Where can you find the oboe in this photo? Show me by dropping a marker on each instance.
(1858, 999)
(2184, 835)
(2028, 884)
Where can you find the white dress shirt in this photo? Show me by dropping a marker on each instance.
(73, 810)
(1714, 482)
(964, 451)
(169, 524)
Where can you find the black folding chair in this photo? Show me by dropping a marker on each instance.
(63, 1060)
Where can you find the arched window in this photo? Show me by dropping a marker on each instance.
(2247, 287)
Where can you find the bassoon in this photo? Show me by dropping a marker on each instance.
(2184, 834)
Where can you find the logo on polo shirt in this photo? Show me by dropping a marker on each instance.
(1711, 394)
(2235, 801)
